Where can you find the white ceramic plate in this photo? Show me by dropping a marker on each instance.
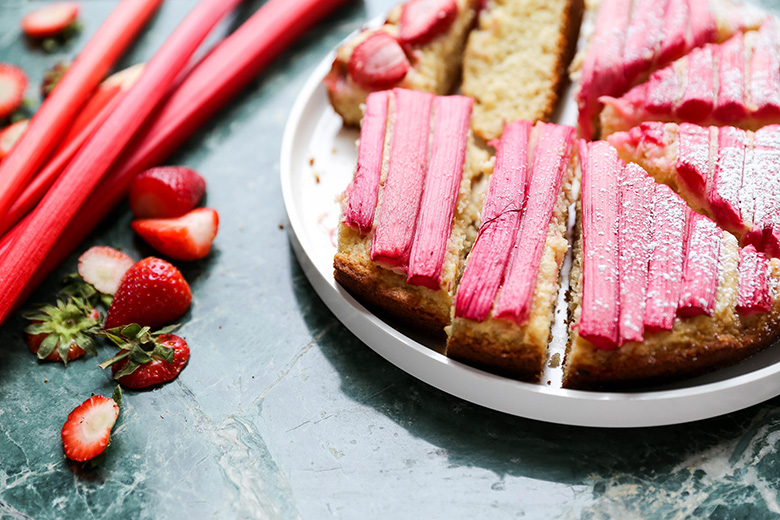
(317, 161)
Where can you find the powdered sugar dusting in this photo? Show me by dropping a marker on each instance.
(700, 268)
(726, 181)
(753, 295)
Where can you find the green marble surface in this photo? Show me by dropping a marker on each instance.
(282, 413)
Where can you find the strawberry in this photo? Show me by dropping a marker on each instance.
(165, 192)
(378, 63)
(10, 134)
(423, 20)
(188, 237)
(146, 359)
(13, 82)
(103, 267)
(63, 332)
(50, 20)
(152, 292)
(87, 431)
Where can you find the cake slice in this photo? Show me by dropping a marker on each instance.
(632, 38)
(689, 299)
(733, 83)
(408, 214)
(504, 305)
(516, 60)
(729, 174)
(420, 46)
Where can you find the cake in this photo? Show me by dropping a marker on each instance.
(420, 47)
(516, 60)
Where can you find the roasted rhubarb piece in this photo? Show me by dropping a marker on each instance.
(700, 266)
(723, 188)
(405, 179)
(666, 260)
(675, 29)
(634, 229)
(730, 105)
(500, 222)
(699, 98)
(703, 25)
(753, 292)
(644, 36)
(693, 157)
(601, 169)
(762, 165)
(363, 192)
(423, 20)
(378, 63)
(664, 89)
(440, 195)
(764, 82)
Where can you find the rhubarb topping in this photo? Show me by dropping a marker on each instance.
(378, 62)
(634, 230)
(664, 89)
(442, 185)
(702, 20)
(675, 28)
(753, 289)
(764, 84)
(693, 157)
(599, 320)
(423, 20)
(699, 97)
(723, 190)
(500, 222)
(405, 178)
(762, 165)
(364, 190)
(550, 163)
(700, 267)
(666, 260)
(730, 106)
(644, 35)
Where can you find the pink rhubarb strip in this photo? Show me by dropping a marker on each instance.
(764, 83)
(753, 289)
(666, 261)
(723, 188)
(664, 89)
(643, 37)
(634, 229)
(730, 105)
(700, 267)
(702, 21)
(405, 178)
(442, 185)
(364, 190)
(500, 222)
(693, 157)
(699, 96)
(675, 28)
(763, 166)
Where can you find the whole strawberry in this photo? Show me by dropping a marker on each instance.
(165, 192)
(151, 293)
(147, 358)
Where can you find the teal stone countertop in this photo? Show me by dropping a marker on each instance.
(283, 413)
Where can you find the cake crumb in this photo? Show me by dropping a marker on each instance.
(334, 150)
(555, 360)
(281, 226)
(549, 382)
(46, 380)
(317, 178)
(311, 161)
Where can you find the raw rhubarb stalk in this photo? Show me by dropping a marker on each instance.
(500, 221)
(699, 96)
(93, 160)
(664, 89)
(227, 70)
(762, 165)
(700, 266)
(723, 188)
(634, 232)
(675, 29)
(599, 318)
(551, 158)
(693, 157)
(643, 37)
(702, 22)
(442, 185)
(730, 105)
(405, 179)
(666, 260)
(764, 83)
(363, 192)
(753, 288)
(60, 108)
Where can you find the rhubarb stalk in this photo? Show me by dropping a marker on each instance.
(730, 105)
(675, 30)
(693, 157)
(699, 96)
(665, 87)
(763, 167)
(643, 37)
(723, 188)
(764, 84)
(700, 266)
(753, 287)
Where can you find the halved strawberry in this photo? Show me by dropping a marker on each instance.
(13, 82)
(165, 192)
(63, 332)
(10, 134)
(423, 20)
(152, 292)
(87, 431)
(147, 358)
(378, 63)
(188, 237)
(104, 267)
(50, 20)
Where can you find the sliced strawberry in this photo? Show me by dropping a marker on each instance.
(50, 20)
(10, 134)
(146, 359)
(103, 267)
(378, 63)
(87, 431)
(63, 332)
(13, 82)
(423, 20)
(188, 237)
(166, 192)
(152, 293)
